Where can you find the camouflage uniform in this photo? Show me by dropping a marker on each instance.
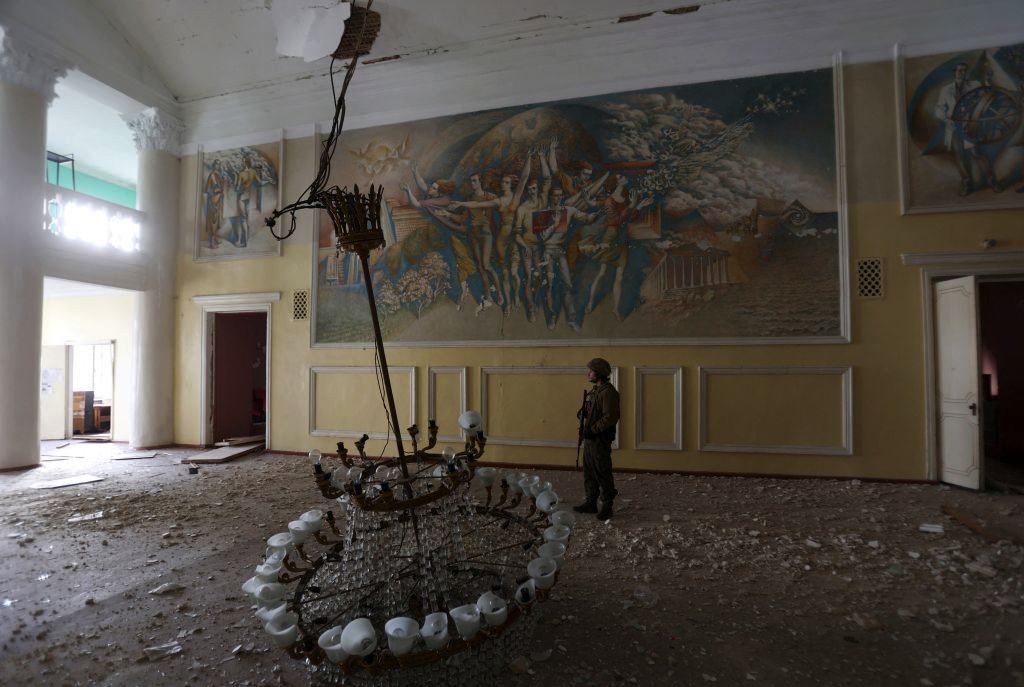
(602, 414)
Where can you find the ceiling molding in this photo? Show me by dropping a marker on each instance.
(77, 33)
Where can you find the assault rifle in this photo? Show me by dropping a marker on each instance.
(583, 420)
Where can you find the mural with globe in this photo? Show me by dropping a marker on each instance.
(697, 213)
(963, 130)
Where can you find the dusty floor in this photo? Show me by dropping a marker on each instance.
(696, 580)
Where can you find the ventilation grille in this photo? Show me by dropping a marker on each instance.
(869, 278)
(300, 305)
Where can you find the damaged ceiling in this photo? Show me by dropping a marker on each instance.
(203, 49)
(214, 63)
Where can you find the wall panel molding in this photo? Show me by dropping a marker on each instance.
(485, 404)
(639, 441)
(844, 448)
(433, 372)
(355, 432)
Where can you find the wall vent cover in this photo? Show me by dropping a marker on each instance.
(870, 283)
(300, 305)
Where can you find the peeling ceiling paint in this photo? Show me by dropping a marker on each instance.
(205, 49)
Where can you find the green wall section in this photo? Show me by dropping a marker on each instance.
(92, 186)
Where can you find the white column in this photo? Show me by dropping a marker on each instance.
(157, 138)
(27, 78)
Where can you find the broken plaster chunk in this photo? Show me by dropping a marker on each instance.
(88, 516)
(981, 569)
(167, 588)
(155, 653)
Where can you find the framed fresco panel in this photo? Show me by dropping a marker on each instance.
(237, 188)
(707, 213)
(961, 130)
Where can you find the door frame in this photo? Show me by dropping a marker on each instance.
(985, 266)
(70, 344)
(228, 303)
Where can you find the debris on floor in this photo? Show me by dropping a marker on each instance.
(750, 580)
(67, 482)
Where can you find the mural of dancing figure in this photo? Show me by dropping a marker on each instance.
(506, 204)
(555, 239)
(435, 205)
(525, 246)
(610, 248)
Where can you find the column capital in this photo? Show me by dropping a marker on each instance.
(25, 64)
(154, 129)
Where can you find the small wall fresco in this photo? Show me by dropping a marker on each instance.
(963, 133)
(698, 212)
(238, 189)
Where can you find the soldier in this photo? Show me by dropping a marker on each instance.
(600, 414)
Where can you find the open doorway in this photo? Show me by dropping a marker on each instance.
(973, 306)
(239, 377)
(1001, 328)
(92, 390)
(249, 346)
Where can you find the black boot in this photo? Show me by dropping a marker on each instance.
(586, 507)
(606, 511)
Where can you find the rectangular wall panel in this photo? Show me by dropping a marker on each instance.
(534, 406)
(776, 410)
(346, 401)
(658, 411)
(447, 391)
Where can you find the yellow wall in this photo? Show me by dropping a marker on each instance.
(94, 319)
(886, 352)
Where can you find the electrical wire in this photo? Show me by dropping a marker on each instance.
(312, 196)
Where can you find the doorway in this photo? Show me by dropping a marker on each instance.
(1001, 327)
(239, 375)
(91, 390)
(213, 306)
(971, 329)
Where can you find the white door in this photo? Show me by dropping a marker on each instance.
(959, 382)
(53, 393)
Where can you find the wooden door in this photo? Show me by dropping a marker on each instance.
(959, 382)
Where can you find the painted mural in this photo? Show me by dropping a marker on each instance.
(964, 135)
(238, 189)
(704, 211)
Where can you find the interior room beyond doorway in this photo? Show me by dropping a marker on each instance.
(240, 375)
(92, 389)
(1001, 325)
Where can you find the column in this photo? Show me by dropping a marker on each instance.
(27, 79)
(157, 138)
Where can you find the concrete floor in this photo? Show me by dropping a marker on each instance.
(696, 580)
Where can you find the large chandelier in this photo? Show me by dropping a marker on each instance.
(423, 581)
